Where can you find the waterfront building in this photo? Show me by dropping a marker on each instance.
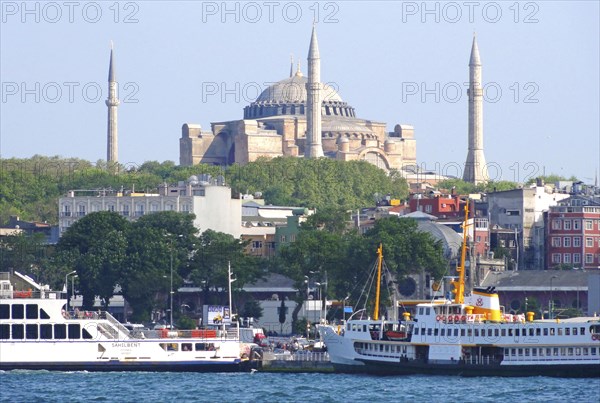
(543, 292)
(573, 233)
(522, 211)
(210, 201)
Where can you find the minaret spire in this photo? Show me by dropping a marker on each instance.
(112, 102)
(291, 64)
(475, 166)
(313, 146)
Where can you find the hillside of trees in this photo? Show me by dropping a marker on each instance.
(30, 187)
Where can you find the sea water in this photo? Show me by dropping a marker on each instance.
(261, 387)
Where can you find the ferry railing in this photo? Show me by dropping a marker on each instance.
(122, 329)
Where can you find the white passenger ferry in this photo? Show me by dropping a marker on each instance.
(470, 336)
(37, 332)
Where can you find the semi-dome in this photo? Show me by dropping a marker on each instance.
(293, 90)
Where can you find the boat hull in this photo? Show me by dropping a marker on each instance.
(469, 370)
(192, 366)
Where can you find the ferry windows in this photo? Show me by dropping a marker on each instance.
(435, 331)
(186, 346)
(456, 332)
(416, 330)
(31, 311)
(60, 332)
(526, 352)
(593, 350)
(559, 331)
(503, 332)
(531, 331)
(551, 331)
(46, 332)
(542, 352)
(517, 332)
(43, 314)
(17, 331)
(476, 332)
(348, 326)
(17, 311)
(31, 332)
(4, 311)
(582, 331)
(85, 334)
(204, 346)
(470, 333)
(548, 352)
(462, 332)
(520, 352)
(74, 331)
(427, 311)
(496, 333)
(577, 351)
(428, 331)
(567, 331)
(585, 351)
(538, 331)
(545, 331)
(534, 352)
(510, 332)
(443, 332)
(4, 332)
(364, 328)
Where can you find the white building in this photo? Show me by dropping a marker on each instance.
(522, 210)
(211, 203)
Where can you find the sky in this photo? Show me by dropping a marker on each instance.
(394, 61)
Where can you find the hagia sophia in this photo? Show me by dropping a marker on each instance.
(280, 122)
(300, 116)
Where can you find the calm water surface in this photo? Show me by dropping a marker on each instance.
(145, 387)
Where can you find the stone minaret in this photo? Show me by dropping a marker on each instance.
(475, 167)
(313, 148)
(112, 102)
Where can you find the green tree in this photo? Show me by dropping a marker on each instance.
(551, 179)
(406, 249)
(95, 247)
(27, 254)
(145, 278)
(282, 315)
(213, 253)
(316, 183)
(252, 309)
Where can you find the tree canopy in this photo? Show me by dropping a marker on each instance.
(31, 187)
(106, 250)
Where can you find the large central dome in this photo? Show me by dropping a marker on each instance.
(288, 97)
(293, 90)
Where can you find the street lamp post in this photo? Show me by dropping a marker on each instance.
(67, 286)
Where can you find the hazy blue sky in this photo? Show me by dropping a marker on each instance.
(396, 62)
